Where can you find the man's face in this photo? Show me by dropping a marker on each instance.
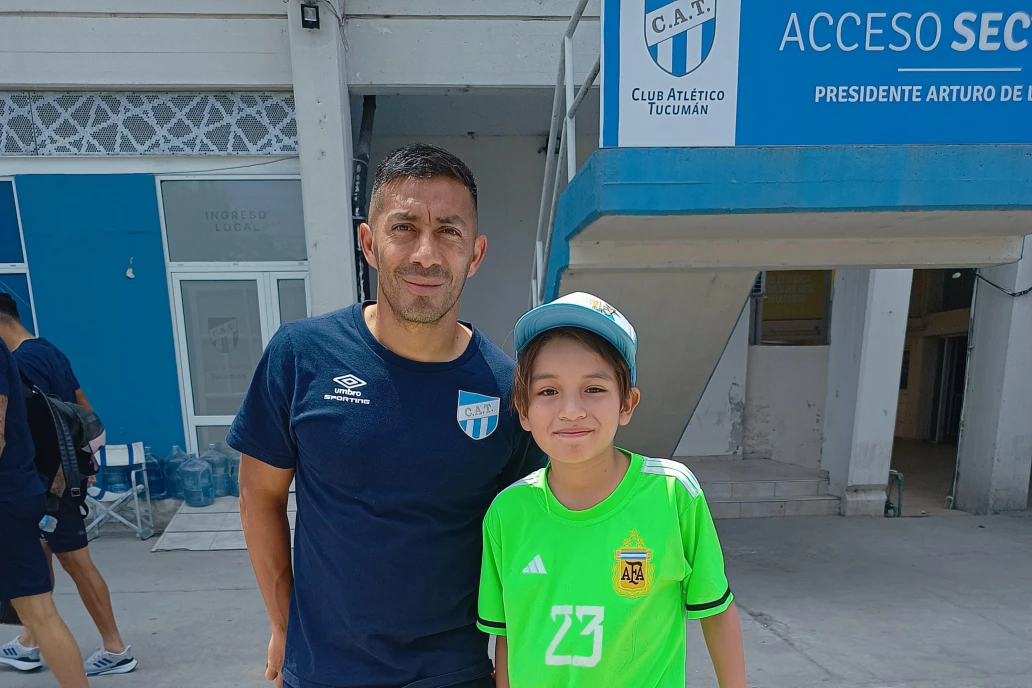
(423, 243)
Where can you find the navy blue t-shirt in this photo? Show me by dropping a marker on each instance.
(396, 464)
(18, 477)
(47, 368)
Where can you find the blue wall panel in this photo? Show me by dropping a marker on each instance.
(80, 233)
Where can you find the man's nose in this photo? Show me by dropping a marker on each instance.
(426, 252)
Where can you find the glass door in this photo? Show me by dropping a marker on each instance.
(224, 322)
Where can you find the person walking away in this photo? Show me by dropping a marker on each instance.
(50, 370)
(592, 565)
(25, 578)
(394, 417)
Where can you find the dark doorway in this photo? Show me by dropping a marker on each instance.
(948, 399)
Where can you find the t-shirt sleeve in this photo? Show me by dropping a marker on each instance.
(707, 592)
(262, 427)
(491, 605)
(34, 369)
(526, 458)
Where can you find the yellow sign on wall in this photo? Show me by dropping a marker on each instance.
(795, 295)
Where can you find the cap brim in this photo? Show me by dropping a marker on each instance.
(555, 315)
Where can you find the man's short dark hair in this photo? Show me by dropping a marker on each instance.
(422, 161)
(8, 308)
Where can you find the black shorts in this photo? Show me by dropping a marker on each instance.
(23, 567)
(70, 534)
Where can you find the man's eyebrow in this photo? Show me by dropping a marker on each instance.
(451, 220)
(402, 216)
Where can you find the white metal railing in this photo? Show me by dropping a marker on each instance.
(566, 132)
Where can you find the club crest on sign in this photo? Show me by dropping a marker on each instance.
(477, 414)
(679, 35)
(633, 571)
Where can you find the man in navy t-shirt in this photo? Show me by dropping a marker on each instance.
(24, 574)
(50, 370)
(395, 419)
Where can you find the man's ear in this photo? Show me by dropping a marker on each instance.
(365, 239)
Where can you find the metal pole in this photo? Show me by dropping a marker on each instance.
(359, 202)
(553, 133)
(585, 87)
(571, 122)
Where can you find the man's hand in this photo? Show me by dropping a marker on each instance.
(274, 665)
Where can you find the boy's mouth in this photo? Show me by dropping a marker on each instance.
(573, 433)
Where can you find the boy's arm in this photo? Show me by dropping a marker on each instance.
(502, 662)
(708, 595)
(723, 634)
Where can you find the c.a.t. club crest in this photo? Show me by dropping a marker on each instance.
(679, 33)
(633, 571)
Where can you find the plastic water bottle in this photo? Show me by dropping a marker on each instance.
(234, 474)
(116, 478)
(219, 470)
(196, 478)
(155, 475)
(48, 524)
(172, 464)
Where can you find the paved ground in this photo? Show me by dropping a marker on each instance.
(844, 603)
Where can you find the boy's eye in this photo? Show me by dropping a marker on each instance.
(547, 392)
(595, 390)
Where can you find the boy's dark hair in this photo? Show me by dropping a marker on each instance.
(8, 308)
(526, 358)
(422, 161)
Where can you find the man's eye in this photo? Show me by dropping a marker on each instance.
(452, 231)
(402, 228)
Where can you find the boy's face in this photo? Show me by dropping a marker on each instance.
(574, 407)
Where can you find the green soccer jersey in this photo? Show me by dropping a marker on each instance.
(599, 598)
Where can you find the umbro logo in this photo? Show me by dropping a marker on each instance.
(346, 390)
(349, 381)
(535, 566)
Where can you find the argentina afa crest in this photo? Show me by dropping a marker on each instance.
(478, 414)
(679, 35)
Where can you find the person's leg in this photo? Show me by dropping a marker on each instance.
(59, 648)
(27, 639)
(95, 596)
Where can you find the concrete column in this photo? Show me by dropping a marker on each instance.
(324, 136)
(868, 326)
(995, 453)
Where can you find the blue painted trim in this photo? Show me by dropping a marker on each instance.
(611, 73)
(637, 182)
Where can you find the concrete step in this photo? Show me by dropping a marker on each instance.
(822, 505)
(741, 488)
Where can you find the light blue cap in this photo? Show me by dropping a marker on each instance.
(587, 312)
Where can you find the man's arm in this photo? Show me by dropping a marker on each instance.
(264, 491)
(81, 400)
(3, 422)
(723, 633)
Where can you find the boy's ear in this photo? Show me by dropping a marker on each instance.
(523, 421)
(629, 404)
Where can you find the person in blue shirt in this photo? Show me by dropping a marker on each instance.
(50, 370)
(24, 574)
(395, 420)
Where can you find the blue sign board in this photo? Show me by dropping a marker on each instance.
(816, 72)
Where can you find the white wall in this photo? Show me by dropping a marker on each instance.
(784, 403)
(228, 44)
(716, 427)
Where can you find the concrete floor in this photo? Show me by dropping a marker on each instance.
(829, 601)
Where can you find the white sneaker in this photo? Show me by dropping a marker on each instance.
(20, 657)
(102, 662)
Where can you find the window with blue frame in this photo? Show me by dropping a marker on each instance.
(14, 270)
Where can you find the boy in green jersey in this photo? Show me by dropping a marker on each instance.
(592, 564)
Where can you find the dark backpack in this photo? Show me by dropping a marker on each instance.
(65, 436)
